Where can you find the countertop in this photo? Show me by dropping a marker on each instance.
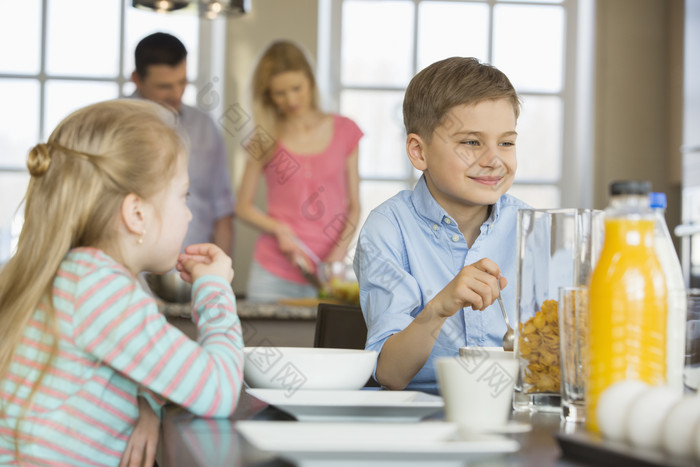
(248, 310)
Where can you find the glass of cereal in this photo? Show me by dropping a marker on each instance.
(556, 248)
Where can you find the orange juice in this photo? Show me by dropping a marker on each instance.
(627, 311)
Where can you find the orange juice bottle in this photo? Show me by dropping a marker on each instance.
(627, 299)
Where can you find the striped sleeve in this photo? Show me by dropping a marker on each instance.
(120, 325)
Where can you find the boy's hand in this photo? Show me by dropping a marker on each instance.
(475, 286)
(204, 259)
(143, 442)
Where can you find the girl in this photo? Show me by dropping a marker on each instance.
(311, 174)
(81, 340)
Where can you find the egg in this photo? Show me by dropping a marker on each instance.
(613, 406)
(679, 427)
(646, 416)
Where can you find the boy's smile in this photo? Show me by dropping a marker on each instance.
(470, 161)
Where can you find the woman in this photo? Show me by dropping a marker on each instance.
(311, 170)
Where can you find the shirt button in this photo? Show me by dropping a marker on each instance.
(455, 238)
(448, 220)
(435, 227)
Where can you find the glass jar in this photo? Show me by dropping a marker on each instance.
(556, 248)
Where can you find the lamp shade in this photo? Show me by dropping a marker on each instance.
(208, 9)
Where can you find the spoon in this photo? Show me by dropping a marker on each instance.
(509, 336)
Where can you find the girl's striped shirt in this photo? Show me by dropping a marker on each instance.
(114, 345)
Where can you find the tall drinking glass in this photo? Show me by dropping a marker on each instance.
(691, 372)
(573, 316)
(556, 248)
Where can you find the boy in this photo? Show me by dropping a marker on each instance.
(429, 261)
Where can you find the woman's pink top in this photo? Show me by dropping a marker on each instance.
(310, 194)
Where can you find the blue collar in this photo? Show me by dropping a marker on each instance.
(429, 209)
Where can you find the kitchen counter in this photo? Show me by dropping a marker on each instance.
(264, 324)
(247, 310)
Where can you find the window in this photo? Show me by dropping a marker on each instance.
(64, 62)
(375, 47)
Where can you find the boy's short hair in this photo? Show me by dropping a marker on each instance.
(159, 48)
(450, 82)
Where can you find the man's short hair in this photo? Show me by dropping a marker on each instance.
(158, 49)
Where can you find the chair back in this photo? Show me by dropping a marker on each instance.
(340, 327)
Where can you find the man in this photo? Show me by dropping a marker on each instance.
(161, 76)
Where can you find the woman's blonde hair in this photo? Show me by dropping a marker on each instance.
(279, 57)
(79, 178)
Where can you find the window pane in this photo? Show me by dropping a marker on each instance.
(141, 23)
(528, 46)
(379, 115)
(539, 197)
(128, 88)
(63, 97)
(377, 43)
(540, 139)
(20, 35)
(19, 120)
(12, 189)
(83, 39)
(190, 95)
(442, 32)
(374, 193)
(539, 1)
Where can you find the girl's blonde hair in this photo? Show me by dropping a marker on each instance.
(279, 57)
(79, 178)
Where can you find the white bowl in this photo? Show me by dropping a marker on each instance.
(293, 368)
(486, 352)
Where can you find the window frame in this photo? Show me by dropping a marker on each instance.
(210, 66)
(575, 184)
(210, 72)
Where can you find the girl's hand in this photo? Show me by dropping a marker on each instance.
(143, 442)
(204, 259)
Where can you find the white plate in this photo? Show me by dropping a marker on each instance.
(511, 427)
(361, 405)
(349, 444)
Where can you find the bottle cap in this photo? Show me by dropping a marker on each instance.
(657, 200)
(630, 187)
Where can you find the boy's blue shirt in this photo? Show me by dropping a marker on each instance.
(409, 249)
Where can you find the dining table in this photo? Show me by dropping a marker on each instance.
(189, 441)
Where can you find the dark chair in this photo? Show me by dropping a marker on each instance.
(341, 327)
